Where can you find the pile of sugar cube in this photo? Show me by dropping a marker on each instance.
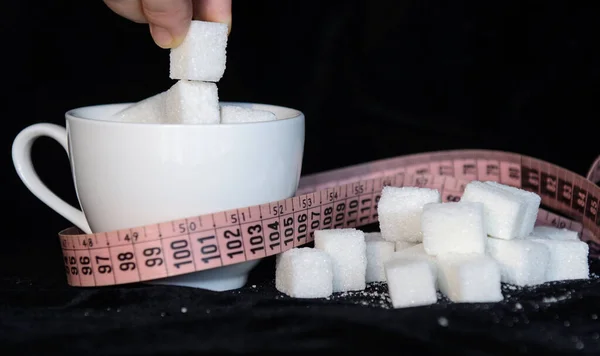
(197, 64)
(463, 249)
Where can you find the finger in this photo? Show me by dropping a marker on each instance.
(213, 11)
(129, 9)
(169, 20)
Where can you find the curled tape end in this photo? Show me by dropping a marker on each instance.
(594, 172)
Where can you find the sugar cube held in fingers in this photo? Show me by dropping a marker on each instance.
(399, 210)
(348, 250)
(202, 54)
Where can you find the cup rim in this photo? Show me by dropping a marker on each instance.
(75, 115)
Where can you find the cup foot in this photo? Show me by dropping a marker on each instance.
(218, 279)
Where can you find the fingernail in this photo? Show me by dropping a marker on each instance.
(162, 37)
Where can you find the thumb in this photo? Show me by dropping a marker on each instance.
(169, 20)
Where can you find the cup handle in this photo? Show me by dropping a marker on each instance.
(21, 156)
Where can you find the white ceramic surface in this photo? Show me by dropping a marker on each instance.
(131, 174)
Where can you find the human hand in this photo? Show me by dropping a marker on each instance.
(169, 20)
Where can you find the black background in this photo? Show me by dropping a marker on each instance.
(375, 79)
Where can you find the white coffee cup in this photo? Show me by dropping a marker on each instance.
(134, 174)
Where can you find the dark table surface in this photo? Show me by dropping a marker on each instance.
(40, 313)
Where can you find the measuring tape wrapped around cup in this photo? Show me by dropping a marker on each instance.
(341, 198)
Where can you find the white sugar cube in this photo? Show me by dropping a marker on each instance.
(373, 236)
(378, 252)
(532, 202)
(555, 233)
(503, 210)
(568, 259)
(231, 114)
(453, 227)
(401, 245)
(348, 250)
(418, 252)
(150, 110)
(202, 54)
(469, 278)
(190, 102)
(410, 282)
(522, 262)
(304, 273)
(400, 209)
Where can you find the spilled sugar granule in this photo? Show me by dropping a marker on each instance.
(374, 295)
(556, 299)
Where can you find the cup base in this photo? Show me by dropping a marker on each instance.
(219, 279)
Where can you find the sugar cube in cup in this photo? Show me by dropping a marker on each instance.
(568, 259)
(378, 252)
(232, 114)
(202, 54)
(522, 262)
(347, 248)
(304, 273)
(399, 210)
(469, 278)
(532, 203)
(192, 102)
(504, 211)
(150, 110)
(410, 282)
(453, 227)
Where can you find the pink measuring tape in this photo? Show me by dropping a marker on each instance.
(340, 198)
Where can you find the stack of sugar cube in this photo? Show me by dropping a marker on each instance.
(463, 249)
(528, 255)
(448, 251)
(337, 263)
(197, 64)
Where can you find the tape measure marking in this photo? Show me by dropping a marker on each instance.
(341, 198)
